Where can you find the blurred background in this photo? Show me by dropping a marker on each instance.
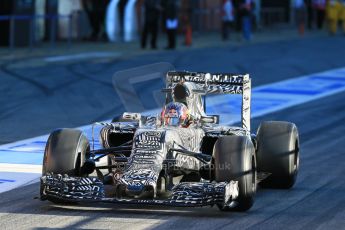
(31, 22)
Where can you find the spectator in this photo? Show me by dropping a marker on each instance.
(237, 14)
(227, 18)
(333, 12)
(310, 13)
(171, 22)
(320, 6)
(299, 7)
(245, 8)
(95, 11)
(253, 16)
(152, 9)
(342, 15)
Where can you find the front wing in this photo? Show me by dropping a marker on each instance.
(186, 194)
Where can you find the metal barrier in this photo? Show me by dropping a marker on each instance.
(273, 15)
(32, 18)
(205, 19)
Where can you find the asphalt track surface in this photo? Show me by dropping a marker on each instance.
(316, 202)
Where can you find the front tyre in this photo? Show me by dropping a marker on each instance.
(234, 159)
(65, 153)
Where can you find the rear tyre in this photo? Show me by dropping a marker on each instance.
(234, 159)
(278, 153)
(65, 153)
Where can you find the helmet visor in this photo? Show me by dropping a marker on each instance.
(173, 121)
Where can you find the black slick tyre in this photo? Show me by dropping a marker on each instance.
(65, 153)
(278, 153)
(234, 159)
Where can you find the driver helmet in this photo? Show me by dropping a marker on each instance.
(176, 114)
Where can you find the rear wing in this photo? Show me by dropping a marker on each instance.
(217, 83)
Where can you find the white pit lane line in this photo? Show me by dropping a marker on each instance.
(20, 162)
(82, 56)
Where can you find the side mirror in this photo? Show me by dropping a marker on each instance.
(212, 119)
(131, 117)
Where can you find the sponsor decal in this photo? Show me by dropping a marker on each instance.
(206, 77)
(148, 139)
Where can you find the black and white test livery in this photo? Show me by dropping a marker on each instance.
(182, 157)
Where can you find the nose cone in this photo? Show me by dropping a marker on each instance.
(140, 182)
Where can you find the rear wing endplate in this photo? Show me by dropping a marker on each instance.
(217, 83)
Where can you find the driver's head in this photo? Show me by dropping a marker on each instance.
(180, 93)
(175, 114)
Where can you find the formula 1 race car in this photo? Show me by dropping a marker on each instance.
(182, 157)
